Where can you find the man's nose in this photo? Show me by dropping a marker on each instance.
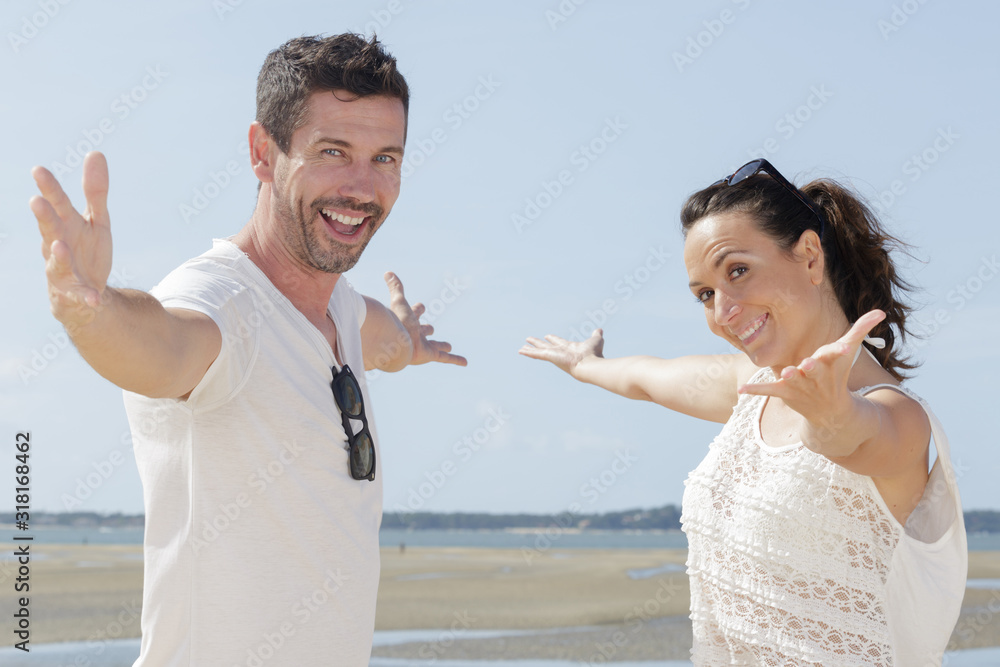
(359, 182)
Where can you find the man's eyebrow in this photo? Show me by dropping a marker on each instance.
(397, 150)
(718, 262)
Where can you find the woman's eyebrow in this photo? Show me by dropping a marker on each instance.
(722, 257)
(718, 262)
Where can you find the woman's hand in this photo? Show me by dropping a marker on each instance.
(838, 421)
(565, 354)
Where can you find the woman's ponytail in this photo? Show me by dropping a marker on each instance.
(861, 268)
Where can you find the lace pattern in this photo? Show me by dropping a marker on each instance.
(788, 554)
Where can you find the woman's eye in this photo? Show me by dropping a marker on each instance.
(737, 271)
(704, 296)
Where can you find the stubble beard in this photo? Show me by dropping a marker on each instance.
(313, 246)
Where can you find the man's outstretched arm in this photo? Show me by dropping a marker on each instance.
(393, 338)
(125, 335)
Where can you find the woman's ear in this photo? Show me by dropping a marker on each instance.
(809, 250)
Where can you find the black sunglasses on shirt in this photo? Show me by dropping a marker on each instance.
(761, 165)
(347, 394)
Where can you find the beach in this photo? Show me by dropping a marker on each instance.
(461, 603)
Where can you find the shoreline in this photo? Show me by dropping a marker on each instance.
(554, 604)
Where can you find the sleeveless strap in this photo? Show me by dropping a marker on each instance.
(874, 342)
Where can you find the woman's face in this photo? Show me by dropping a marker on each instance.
(765, 301)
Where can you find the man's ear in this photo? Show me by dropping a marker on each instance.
(263, 152)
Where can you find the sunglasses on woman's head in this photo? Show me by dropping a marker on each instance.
(761, 165)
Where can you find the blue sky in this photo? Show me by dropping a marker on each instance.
(550, 147)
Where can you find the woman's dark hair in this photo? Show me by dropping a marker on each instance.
(856, 246)
(304, 65)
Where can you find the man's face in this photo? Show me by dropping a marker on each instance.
(340, 178)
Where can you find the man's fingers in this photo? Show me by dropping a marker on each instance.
(59, 263)
(438, 350)
(49, 224)
(395, 286)
(418, 310)
(95, 187)
(63, 280)
(445, 358)
(53, 192)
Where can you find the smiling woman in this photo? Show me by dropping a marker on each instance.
(817, 535)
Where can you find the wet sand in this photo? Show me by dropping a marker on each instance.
(576, 604)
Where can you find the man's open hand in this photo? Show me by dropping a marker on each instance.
(76, 248)
(424, 350)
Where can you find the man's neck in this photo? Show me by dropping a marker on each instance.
(307, 288)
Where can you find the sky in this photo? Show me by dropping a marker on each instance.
(551, 145)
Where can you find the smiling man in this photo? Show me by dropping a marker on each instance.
(254, 438)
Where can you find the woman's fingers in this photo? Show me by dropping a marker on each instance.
(536, 342)
(857, 333)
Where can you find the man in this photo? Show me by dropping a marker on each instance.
(262, 493)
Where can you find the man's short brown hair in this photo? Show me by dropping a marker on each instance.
(304, 65)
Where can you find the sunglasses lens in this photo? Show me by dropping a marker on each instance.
(348, 396)
(362, 457)
(745, 172)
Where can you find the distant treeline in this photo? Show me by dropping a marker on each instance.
(76, 520)
(982, 521)
(662, 518)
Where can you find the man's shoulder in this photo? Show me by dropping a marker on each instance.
(220, 270)
(224, 257)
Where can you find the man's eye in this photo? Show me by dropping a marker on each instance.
(333, 151)
(385, 159)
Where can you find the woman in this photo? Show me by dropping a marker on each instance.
(816, 534)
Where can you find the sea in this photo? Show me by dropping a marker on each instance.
(490, 539)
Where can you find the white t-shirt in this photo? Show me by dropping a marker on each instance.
(260, 548)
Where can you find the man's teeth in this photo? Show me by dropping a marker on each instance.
(343, 218)
(753, 329)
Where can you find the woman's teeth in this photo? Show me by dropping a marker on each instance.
(752, 329)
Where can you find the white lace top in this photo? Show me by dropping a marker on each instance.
(795, 560)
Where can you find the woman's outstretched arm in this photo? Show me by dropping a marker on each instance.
(702, 386)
